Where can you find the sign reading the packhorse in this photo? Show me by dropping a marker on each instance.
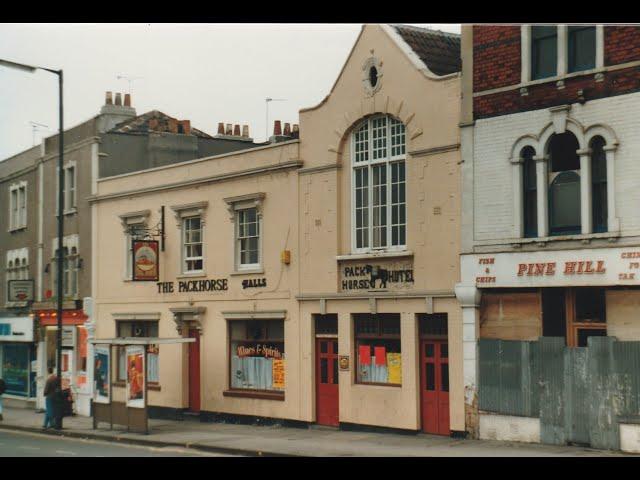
(391, 276)
(145, 260)
(185, 286)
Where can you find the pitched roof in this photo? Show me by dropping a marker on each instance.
(440, 51)
(153, 121)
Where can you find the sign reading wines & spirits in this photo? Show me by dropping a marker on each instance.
(145, 260)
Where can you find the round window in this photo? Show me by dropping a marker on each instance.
(373, 76)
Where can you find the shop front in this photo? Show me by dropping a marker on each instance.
(557, 335)
(17, 359)
(74, 357)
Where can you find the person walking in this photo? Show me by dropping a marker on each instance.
(50, 392)
(3, 387)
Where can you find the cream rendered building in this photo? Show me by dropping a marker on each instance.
(317, 274)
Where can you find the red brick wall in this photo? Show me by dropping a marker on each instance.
(496, 63)
(496, 56)
(621, 44)
(547, 95)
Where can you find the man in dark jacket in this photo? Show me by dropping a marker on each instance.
(50, 392)
(3, 387)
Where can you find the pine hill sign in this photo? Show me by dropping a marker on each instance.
(376, 277)
(607, 266)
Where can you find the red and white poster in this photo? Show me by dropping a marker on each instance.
(145, 260)
(135, 376)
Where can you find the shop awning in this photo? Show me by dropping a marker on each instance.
(50, 318)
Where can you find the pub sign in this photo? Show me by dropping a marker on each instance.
(20, 290)
(145, 260)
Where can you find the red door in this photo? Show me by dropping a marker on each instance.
(194, 371)
(327, 381)
(434, 359)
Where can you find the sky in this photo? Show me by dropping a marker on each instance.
(206, 73)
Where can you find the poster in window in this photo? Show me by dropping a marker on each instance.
(278, 374)
(394, 367)
(67, 368)
(135, 376)
(101, 375)
(145, 260)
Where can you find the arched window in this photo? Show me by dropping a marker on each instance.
(379, 197)
(599, 185)
(530, 193)
(10, 270)
(564, 185)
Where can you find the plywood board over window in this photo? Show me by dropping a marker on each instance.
(511, 315)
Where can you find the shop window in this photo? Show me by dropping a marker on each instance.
(15, 368)
(379, 183)
(378, 349)
(433, 325)
(599, 185)
(564, 185)
(530, 193)
(581, 48)
(326, 324)
(257, 355)
(143, 329)
(544, 52)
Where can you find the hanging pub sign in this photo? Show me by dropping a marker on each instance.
(145, 260)
(20, 290)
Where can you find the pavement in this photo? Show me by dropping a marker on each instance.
(253, 440)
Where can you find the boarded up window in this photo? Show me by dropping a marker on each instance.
(511, 315)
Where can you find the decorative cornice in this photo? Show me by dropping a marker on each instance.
(321, 168)
(434, 150)
(251, 199)
(255, 314)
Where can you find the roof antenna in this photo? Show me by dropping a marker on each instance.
(36, 127)
(128, 79)
(267, 100)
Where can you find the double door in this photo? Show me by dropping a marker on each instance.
(434, 386)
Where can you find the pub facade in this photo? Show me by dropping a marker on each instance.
(316, 274)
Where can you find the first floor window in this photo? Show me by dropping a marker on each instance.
(599, 185)
(70, 267)
(248, 237)
(530, 197)
(192, 245)
(378, 348)
(257, 355)
(139, 329)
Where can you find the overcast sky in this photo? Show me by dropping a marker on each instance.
(204, 73)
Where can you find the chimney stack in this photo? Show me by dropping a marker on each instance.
(186, 127)
(236, 130)
(277, 128)
(118, 99)
(245, 131)
(287, 129)
(229, 129)
(127, 99)
(220, 128)
(109, 99)
(173, 125)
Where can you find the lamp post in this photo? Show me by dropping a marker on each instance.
(32, 69)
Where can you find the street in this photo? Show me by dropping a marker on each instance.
(20, 444)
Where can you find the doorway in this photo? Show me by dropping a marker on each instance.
(327, 390)
(194, 371)
(434, 374)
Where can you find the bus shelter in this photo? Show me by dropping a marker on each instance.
(133, 412)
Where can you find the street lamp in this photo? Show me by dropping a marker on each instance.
(32, 69)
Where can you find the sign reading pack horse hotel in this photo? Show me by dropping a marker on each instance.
(145, 260)
(384, 276)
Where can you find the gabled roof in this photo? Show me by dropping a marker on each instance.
(440, 51)
(153, 121)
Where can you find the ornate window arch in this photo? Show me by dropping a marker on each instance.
(378, 153)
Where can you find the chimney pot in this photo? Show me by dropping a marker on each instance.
(295, 133)
(245, 131)
(127, 99)
(287, 129)
(229, 129)
(109, 98)
(220, 128)
(277, 128)
(118, 99)
(236, 130)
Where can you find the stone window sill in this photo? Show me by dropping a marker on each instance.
(254, 394)
(375, 255)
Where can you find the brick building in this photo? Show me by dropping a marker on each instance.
(550, 230)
